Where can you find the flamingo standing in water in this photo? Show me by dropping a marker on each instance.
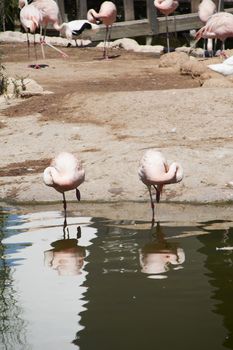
(49, 13)
(166, 7)
(106, 15)
(65, 173)
(154, 171)
(205, 10)
(219, 26)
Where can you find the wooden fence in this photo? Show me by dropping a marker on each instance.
(154, 24)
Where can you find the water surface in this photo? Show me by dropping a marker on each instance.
(114, 284)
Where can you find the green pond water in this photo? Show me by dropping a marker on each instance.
(114, 284)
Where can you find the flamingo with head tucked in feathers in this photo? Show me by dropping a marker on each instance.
(166, 7)
(65, 173)
(106, 15)
(154, 171)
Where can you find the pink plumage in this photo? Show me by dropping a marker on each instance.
(107, 15)
(154, 171)
(166, 7)
(206, 9)
(219, 26)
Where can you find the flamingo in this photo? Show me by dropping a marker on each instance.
(219, 26)
(205, 10)
(65, 173)
(77, 29)
(154, 171)
(30, 18)
(166, 7)
(49, 13)
(106, 15)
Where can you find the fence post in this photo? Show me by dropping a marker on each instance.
(152, 18)
(129, 10)
(81, 6)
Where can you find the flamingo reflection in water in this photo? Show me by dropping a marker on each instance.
(66, 257)
(159, 256)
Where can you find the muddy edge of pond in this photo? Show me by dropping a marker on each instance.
(133, 211)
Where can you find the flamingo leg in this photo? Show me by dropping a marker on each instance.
(168, 43)
(28, 43)
(56, 49)
(78, 194)
(42, 43)
(35, 47)
(105, 43)
(157, 194)
(152, 207)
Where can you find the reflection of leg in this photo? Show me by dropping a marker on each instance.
(79, 232)
(152, 207)
(65, 228)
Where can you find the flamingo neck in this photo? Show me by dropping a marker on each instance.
(92, 16)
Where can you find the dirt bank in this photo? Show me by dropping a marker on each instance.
(108, 113)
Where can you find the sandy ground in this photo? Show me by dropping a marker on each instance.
(109, 113)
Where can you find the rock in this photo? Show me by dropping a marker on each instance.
(173, 59)
(218, 82)
(23, 87)
(193, 68)
(132, 45)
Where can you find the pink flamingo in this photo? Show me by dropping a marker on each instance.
(154, 171)
(205, 10)
(65, 173)
(166, 7)
(49, 13)
(30, 18)
(106, 15)
(219, 26)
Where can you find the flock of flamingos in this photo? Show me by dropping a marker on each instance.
(40, 13)
(65, 172)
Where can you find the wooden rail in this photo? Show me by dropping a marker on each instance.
(129, 29)
(154, 24)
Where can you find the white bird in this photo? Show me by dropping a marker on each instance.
(154, 171)
(78, 29)
(225, 68)
(65, 173)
